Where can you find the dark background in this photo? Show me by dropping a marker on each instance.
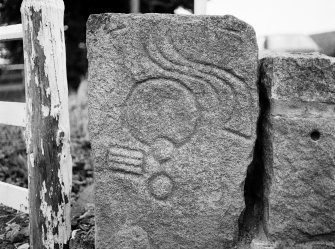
(76, 15)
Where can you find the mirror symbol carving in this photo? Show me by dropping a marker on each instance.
(163, 114)
(162, 108)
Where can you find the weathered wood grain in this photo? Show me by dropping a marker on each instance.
(47, 134)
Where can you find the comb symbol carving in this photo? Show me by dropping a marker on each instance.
(126, 160)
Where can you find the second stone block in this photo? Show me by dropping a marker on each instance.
(298, 92)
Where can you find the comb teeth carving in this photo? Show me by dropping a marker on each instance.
(126, 160)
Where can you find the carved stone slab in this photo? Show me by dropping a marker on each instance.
(299, 149)
(172, 110)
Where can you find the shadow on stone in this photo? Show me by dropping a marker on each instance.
(252, 219)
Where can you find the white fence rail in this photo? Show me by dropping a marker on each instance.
(16, 197)
(12, 67)
(11, 87)
(11, 32)
(13, 113)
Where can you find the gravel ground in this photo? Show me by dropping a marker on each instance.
(14, 226)
(14, 231)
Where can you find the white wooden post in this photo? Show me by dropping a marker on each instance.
(48, 132)
(200, 7)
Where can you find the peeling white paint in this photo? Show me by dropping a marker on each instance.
(74, 233)
(27, 133)
(54, 219)
(55, 111)
(45, 111)
(48, 91)
(50, 39)
(42, 146)
(58, 138)
(47, 213)
(36, 80)
(31, 158)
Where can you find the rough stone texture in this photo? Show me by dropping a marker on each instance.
(172, 117)
(299, 144)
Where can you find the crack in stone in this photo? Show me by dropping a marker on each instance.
(252, 219)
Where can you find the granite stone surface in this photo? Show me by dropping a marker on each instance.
(173, 106)
(299, 145)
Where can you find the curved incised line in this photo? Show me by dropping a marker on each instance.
(217, 78)
(204, 77)
(186, 61)
(196, 77)
(228, 74)
(237, 133)
(169, 70)
(216, 75)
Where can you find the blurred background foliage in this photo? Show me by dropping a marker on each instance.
(76, 15)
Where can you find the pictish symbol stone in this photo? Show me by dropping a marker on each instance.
(183, 91)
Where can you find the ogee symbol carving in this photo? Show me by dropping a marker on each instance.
(162, 113)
